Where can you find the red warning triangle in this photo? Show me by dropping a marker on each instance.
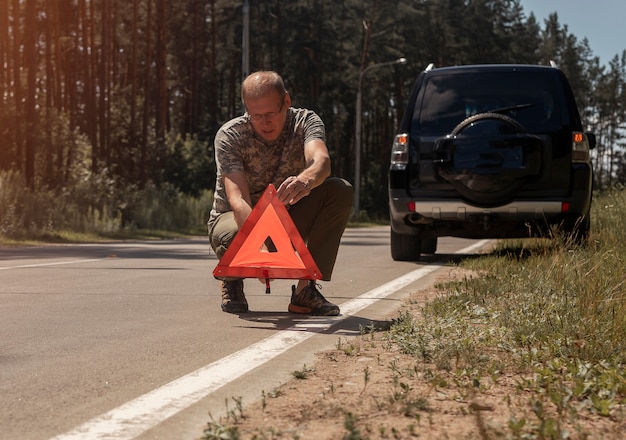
(246, 258)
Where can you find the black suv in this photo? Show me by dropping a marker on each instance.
(488, 151)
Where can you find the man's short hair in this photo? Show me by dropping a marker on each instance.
(259, 83)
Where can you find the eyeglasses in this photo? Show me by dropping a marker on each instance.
(266, 116)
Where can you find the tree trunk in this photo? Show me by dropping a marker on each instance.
(50, 43)
(103, 82)
(146, 98)
(30, 112)
(17, 85)
(5, 60)
(91, 63)
(161, 126)
(132, 137)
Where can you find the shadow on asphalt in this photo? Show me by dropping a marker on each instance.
(340, 325)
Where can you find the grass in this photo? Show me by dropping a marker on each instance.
(550, 308)
(68, 237)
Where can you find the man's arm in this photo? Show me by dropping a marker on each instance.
(294, 188)
(238, 195)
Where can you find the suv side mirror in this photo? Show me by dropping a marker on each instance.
(591, 138)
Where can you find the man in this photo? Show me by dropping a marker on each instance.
(275, 143)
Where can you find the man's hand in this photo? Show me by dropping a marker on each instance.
(292, 190)
(295, 188)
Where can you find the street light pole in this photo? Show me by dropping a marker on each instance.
(357, 134)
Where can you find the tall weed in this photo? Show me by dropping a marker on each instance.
(568, 299)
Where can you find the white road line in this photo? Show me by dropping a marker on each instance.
(58, 263)
(137, 416)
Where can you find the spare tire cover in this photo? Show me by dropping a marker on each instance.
(488, 157)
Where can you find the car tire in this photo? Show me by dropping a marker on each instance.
(429, 245)
(405, 247)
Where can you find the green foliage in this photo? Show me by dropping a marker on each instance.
(190, 165)
(166, 208)
(301, 374)
(97, 204)
(351, 425)
(217, 431)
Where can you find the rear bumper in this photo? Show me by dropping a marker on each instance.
(461, 211)
(455, 217)
(437, 216)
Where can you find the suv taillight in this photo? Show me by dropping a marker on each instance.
(580, 147)
(400, 152)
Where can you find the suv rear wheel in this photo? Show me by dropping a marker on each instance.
(411, 247)
(429, 245)
(405, 247)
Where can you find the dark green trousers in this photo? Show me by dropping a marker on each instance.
(321, 218)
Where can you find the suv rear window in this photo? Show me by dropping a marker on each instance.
(447, 99)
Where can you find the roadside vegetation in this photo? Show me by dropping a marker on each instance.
(102, 208)
(96, 208)
(529, 343)
(552, 310)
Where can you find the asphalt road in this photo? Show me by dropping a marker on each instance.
(89, 332)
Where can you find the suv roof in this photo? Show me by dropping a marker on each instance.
(462, 91)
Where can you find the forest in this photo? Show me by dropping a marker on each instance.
(108, 108)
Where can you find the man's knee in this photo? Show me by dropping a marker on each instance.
(340, 190)
(222, 233)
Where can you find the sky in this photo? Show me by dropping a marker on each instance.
(601, 21)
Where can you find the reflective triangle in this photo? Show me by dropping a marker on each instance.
(288, 257)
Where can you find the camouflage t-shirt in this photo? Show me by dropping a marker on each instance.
(239, 149)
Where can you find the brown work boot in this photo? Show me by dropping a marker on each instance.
(311, 302)
(233, 298)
